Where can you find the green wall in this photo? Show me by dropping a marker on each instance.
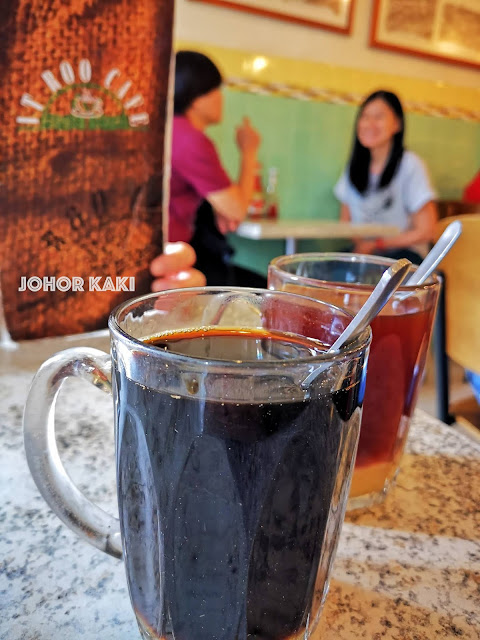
(309, 143)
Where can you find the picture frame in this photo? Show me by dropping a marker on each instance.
(333, 15)
(441, 30)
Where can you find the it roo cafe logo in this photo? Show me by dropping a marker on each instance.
(77, 103)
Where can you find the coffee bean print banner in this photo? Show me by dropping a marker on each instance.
(83, 111)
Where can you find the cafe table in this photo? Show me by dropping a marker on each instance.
(293, 230)
(408, 569)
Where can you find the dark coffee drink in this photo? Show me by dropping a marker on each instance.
(234, 455)
(229, 498)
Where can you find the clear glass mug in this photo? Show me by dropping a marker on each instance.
(401, 335)
(232, 471)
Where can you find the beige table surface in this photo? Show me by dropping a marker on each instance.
(293, 230)
(406, 570)
(304, 229)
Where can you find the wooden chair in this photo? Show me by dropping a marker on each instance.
(457, 331)
(449, 208)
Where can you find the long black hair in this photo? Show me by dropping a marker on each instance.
(360, 157)
(195, 75)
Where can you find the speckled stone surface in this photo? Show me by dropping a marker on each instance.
(405, 570)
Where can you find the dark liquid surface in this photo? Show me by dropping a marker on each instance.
(242, 345)
(224, 505)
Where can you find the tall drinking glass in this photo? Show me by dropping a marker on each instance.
(401, 335)
(232, 471)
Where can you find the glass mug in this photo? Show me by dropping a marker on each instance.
(401, 335)
(232, 471)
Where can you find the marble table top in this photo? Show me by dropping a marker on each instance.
(405, 570)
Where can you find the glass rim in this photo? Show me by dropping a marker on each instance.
(277, 264)
(352, 349)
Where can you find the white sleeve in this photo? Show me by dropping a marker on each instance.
(417, 189)
(341, 189)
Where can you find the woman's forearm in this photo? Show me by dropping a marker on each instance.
(345, 215)
(405, 239)
(246, 178)
(232, 203)
(424, 221)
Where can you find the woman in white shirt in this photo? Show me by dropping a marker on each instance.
(385, 184)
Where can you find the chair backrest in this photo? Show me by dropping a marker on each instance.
(449, 208)
(462, 292)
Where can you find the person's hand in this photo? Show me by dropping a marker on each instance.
(248, 138)
(364, 246)
(225, 225)
(173, 268)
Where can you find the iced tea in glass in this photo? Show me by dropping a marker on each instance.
(401, 335)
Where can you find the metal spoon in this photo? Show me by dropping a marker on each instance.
(389, 283)
(437, 254)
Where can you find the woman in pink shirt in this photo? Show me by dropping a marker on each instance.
(204, 202)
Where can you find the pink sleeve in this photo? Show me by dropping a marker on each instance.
(196, 160)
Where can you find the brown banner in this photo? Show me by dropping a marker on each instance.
(83, 101)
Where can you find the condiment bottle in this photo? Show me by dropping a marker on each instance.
(256, 208)
(271, 198)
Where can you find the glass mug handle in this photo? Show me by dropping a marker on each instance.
(82, 516)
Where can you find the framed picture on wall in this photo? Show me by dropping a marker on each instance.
(334, 15)
(445, 30)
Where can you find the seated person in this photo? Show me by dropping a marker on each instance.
(198, 177)
(385, 184)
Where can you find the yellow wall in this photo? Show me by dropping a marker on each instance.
(352, 84)
(342, 63)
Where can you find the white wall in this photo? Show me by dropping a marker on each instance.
(206, 23)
